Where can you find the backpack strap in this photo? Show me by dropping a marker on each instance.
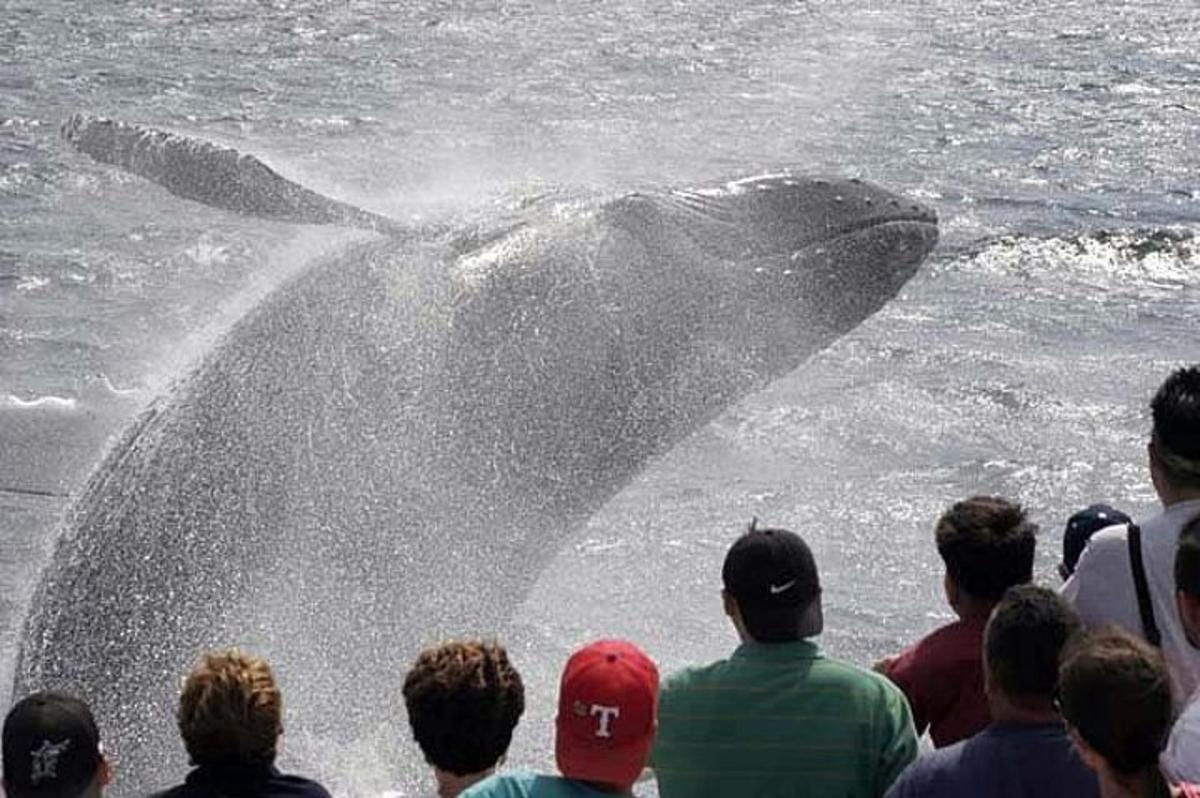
(1145, 608)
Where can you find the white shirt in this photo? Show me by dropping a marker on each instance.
(1180, 760)
(1102, 591)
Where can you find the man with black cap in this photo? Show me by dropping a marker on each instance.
(778, 717)
(1125, 574)
(52, 749)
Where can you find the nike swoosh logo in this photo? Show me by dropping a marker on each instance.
(776, 589)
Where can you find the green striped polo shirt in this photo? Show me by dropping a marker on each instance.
(780, 719)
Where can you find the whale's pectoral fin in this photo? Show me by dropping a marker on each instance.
(220, 177)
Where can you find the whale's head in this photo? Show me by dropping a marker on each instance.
(770, 269)
(621, 331)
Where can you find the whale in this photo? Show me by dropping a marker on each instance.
(392, 445)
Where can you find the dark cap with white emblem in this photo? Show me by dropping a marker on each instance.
(51, 747)
(773, 577)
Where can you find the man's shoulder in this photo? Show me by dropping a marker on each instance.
(502, 785)
(690, 676)
(178, 791)
(1181, 758)
(1105, 556)
(857, 678)
(528, 785)
(931, 774)
(1110, 539)
(728, 671)
(959, 639)
(289, 784)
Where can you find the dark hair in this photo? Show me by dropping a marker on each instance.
(1114, 689)
(464, 700)
(1176, 411)
(1024, 639)
(987, 545)
(1187, 559)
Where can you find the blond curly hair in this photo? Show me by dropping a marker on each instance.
(231, 711)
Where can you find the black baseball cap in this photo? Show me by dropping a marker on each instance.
(51, 747)
(772, 575)
(1081, 527)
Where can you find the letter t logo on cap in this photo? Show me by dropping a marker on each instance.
(606, 715)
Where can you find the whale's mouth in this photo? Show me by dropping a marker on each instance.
(778, 215)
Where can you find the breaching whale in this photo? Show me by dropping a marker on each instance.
(387, 449)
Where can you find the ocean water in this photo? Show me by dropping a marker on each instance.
(1060, 144)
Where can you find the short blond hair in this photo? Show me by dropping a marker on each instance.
(231, 711)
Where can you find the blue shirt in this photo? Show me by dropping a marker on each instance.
(531, 785)
(1005, 760)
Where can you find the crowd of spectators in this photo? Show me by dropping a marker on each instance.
(1087, 691)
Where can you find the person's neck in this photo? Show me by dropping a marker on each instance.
(1028, 712)
(1147, 784)
(451, 784)
(1169, 494)
(608, 788)
(972, 610)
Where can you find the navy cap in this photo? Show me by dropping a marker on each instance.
(1081, 527)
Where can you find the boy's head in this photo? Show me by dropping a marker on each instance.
(464, 699)
(1187, 580)
(1115, 693)
(771, 586)
(1022, 644)
(987, 545)
(1175, 441)
(607, 713)
(231, 711)
(1081, 527)
(52, 749)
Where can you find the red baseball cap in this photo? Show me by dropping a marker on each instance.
(607, 705)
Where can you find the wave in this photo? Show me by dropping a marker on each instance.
(58, 403)
(1163, 258)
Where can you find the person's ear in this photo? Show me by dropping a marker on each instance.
(729, 603)
(1157, 473)
(812, 619)
(1189, 615)
(104, 771)
(951, 588)
(1088, 754)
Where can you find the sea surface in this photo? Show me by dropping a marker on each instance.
(1058, 141)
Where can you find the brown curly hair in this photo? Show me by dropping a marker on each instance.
(230, 712)
(464, 699)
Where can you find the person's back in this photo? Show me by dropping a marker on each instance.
(230, 719)
(1102, 589)
(778, 717)
(1025, 751)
